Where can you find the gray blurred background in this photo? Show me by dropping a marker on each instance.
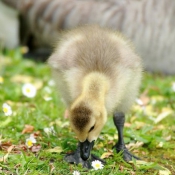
(149, 24)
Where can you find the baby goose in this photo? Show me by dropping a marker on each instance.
(97, 73)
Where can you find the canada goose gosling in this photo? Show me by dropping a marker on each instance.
(97, 73)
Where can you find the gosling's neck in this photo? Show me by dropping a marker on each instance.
(94, 89)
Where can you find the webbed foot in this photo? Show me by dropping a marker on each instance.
(127, 156)
(119, 120)
(75, 158)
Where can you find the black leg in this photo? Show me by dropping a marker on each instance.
(75, 158)
(119, 120)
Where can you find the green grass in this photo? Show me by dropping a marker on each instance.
(157, 139)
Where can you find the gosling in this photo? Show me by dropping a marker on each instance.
(97, 73)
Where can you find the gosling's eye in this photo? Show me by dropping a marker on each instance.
(91, 128)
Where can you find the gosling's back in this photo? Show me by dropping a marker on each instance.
(90, 49)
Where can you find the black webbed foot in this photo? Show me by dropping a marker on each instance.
(127, 156)
(119, 120)
(75, 158)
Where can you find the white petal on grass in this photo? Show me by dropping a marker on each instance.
(7, 109)
(29, 90)
(30, 141)
(76, 173)
(96, 164)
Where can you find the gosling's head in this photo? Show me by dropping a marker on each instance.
(87, 122)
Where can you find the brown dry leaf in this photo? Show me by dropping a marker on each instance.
(144, 98)
(19, 148)
(127, 125)
(28, 129)
(36, 148)
(4, 158)
(133, 173)
(57, 149)
(5, 145)
(106, 155)
(36, 134)
(121, 168)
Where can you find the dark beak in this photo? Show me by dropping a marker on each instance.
(85, 149)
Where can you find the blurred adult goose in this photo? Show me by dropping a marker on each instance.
(97, 73)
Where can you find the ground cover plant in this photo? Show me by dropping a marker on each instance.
(34, 135)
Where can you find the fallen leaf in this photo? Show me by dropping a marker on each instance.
(139, 125)
(150, 111)
(51, 168)
(4, 158)
(127, 125)
(20, 148)
(22, 79)
(159, 127)
(133, 173)
(164, 172)
(27, 79)
(121, 168)
(134, 145)
(36, 134)
(5, 145)
(36, 148)
(57, 149)
(27, 129)
(144, 98)
(38, 84)
(106, 155)
(168, 138)
(109, 137)
(163, 115)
